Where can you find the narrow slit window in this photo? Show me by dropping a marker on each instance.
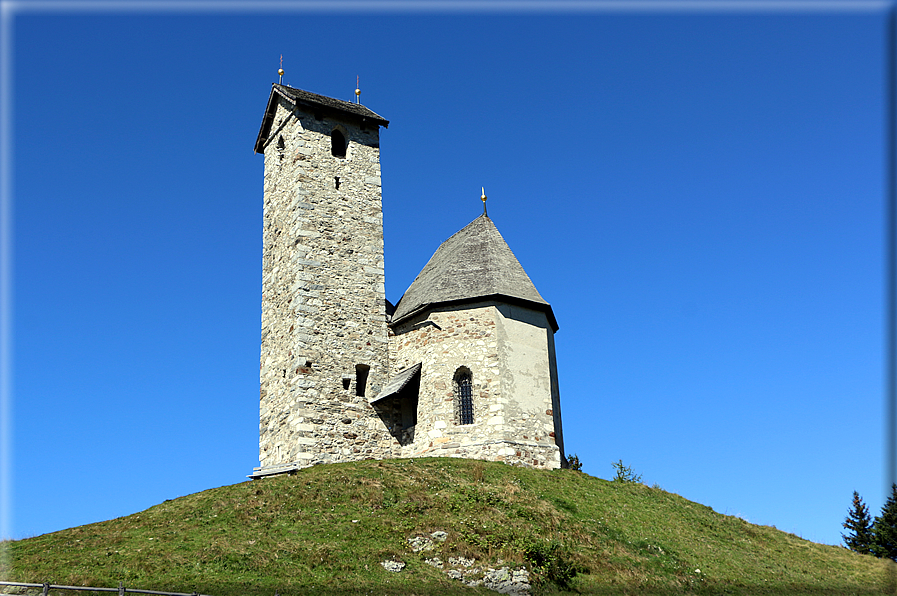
(361, 378)
(464, 396)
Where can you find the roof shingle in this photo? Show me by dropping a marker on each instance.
(474, 264)
(398, 382)
(313, 100)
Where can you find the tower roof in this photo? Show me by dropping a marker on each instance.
(298, 97)
(474, 264)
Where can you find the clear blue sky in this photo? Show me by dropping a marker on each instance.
(699, 195)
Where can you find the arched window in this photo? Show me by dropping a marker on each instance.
(463, 396)
(338, 143)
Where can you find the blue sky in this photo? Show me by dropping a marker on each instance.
(700, 195)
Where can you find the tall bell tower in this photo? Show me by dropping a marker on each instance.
(324, 327)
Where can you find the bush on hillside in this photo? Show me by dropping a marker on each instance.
(625, 473)
(550, 561)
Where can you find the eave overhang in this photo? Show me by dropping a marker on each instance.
(315, 102)
(398, 382)
(539, 306)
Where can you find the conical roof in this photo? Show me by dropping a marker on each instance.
(474, 264)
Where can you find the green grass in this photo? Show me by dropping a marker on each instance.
(296, 535)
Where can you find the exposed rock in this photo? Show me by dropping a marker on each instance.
(461, 561)
(506, 581)
(503, 580)
(420, 543)
(394, 566)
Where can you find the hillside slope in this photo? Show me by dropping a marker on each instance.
(326, 529)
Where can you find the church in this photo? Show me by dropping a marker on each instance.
(462, 366)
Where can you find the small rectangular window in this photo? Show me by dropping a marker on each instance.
(361, 378)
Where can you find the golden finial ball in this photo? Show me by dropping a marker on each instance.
(358, 92)
(280, 71)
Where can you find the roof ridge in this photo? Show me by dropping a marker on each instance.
(359, 109)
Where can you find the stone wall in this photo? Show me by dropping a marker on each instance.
(529, 374)
(323, 301)
(508, 352)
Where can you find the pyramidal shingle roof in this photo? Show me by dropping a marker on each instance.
(474, 264)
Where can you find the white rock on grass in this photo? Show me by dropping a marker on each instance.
(461, 561)
(419, 543)
(505, 581)
(394, 566)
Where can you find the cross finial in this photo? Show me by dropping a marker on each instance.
(280, 70)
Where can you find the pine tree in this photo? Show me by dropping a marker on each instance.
(859, 525)
(885, 528)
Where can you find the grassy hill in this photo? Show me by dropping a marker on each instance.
(326, 529)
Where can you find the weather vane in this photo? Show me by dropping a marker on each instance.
(280, 70)
(484, 200)
(357, 91)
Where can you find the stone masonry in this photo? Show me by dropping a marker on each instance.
(324, 335)
(345, 376)
(514, 391)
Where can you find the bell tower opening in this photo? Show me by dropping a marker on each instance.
(337, 143)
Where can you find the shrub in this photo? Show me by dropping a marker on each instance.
(625, 473)
(573, 463)
(550, 561)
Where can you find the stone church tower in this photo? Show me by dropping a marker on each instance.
(463, 366)
(324, 335)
